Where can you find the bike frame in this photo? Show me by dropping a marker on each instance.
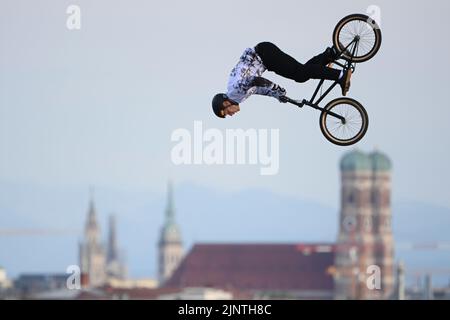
(315, 104)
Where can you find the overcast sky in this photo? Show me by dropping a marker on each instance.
(97, 106)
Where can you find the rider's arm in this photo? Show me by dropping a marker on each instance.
(265, 87)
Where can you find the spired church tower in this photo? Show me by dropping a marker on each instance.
(92, 252)
(365, 242)
(170, 246)
(115, 268)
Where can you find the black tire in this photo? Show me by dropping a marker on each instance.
(363, 26)
(354, 113)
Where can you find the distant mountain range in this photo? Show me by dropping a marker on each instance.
(203, 214)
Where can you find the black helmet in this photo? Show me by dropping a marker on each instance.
(217, 104)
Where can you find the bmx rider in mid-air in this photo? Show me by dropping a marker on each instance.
(245, 78)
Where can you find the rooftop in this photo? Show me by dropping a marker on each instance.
(257, 267)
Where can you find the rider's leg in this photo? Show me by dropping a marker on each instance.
(317, 71)
(324, 59)
(329, 55)
(284, 65)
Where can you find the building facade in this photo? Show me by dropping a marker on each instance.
(264, 270)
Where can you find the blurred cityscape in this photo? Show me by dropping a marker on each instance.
(360, 264)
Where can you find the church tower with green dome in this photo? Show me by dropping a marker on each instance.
(365, 236)
(170, 247)
(382, 220)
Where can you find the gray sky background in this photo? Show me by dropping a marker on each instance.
(97, 106)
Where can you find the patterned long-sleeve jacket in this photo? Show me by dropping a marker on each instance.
(245, 79)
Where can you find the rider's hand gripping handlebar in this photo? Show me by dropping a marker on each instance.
(298, 103)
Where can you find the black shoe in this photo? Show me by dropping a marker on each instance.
(335, 53)
(328, 55)
(345, 81)
(331, 54)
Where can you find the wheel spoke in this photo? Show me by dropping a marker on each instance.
(366, 33)
(353, 126)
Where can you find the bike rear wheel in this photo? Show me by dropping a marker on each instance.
(362, 27)
(355, 126)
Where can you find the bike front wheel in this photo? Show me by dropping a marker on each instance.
(348, 132)
(360, 27)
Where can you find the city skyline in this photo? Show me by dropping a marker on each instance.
(312, 231)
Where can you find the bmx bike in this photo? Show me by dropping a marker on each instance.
(344, 121)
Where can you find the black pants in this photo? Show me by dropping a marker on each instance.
(284, 65)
